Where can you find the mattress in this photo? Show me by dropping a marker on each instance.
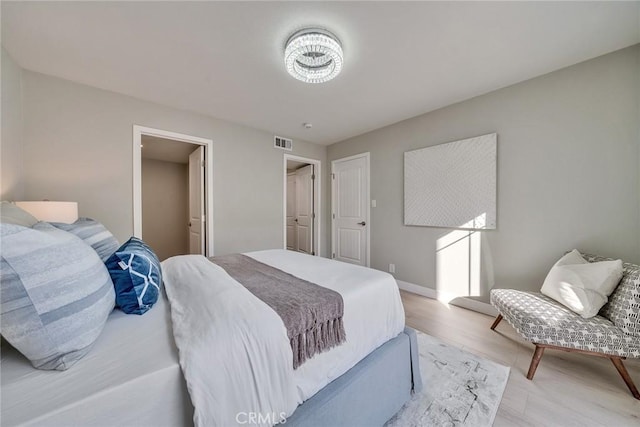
(131, 374)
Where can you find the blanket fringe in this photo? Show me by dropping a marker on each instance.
(320, 338)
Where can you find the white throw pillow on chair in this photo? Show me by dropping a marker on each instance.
(582, 286)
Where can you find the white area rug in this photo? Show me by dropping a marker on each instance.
(460, 388)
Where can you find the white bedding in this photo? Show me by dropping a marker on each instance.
(131, 374)
(373, 312)
(132, 377)
(234, 350)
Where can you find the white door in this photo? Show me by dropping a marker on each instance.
(196, 202)
(291, 212)
(304, 209)
(350, 209)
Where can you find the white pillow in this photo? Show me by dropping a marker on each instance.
(582, 286)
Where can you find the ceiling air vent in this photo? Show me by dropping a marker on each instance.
(282, 143)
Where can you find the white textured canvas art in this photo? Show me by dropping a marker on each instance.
(452, 185)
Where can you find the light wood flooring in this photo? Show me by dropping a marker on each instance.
(568, 389)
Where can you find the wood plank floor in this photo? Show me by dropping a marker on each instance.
(568, 389)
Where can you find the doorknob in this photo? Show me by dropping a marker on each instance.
(296, 220)
(362, 223)
(189, 224)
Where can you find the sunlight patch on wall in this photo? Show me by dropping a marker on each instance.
(458, 263)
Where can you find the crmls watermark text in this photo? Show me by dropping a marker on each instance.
(260, 418)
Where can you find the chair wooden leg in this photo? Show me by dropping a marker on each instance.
(617, 362)
(537, 355)
(496, 322)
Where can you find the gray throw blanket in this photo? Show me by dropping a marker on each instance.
(312, 314)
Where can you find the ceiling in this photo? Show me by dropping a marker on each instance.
(225, 59)
(293, 165)
(166, 150)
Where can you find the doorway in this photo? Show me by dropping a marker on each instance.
(302, 204)
(350, 212)
(172, 192)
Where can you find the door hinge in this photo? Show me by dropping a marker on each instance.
(204, 164)
(313, 177)
(313, 216)
(333, 176)
(333, 216)
(333, 255)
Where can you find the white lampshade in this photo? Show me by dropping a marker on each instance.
(50, 211)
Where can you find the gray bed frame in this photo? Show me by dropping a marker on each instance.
(371, 392)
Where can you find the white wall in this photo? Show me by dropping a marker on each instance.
(78, 146)
(568, 160)
(11, 157)
(165, 207)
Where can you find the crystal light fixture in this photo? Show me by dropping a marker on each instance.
(313, 55)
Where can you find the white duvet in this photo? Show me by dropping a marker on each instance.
(233, 348)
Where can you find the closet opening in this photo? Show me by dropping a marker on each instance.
(302, 204)
(172, 192)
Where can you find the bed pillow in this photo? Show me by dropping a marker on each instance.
(137, 277)
(94, 234)
(582, 286)
(56, 294)
(12, 214)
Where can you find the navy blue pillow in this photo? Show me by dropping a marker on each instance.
(136, 275)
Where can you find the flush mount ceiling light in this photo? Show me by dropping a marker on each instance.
(313, 55)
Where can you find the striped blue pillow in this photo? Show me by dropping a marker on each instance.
(94, 234)
(56, 294)
(135, 271)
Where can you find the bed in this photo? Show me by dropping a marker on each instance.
(361, 382)
(110, 385)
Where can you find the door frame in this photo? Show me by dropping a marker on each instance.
(317, 200)
(138, 131)
(367, 157)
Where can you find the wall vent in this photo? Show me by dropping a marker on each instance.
(282, 143)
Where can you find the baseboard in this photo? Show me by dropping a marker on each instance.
(468, 303)
(417, 289)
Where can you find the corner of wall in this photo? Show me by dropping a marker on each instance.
(11, 157)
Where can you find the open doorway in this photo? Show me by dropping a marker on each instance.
(172, 194)
(302, 205)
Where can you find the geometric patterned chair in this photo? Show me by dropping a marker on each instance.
(614, 333)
